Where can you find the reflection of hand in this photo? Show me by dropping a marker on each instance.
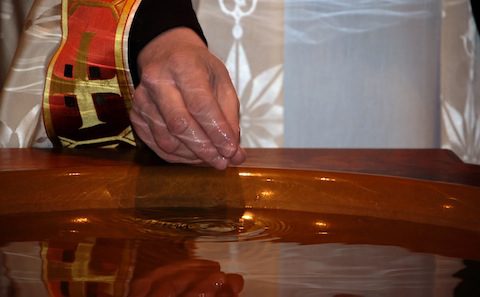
(186, 108)
(188, 278)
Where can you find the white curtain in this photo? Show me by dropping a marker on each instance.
(12, 14)
(460, 81)
(343, 73)
(249, 37)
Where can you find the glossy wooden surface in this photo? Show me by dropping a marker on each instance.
(36, 180)
(429, 164)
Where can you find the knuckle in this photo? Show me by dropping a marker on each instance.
(139, 96)
(187, 66)
(168, 145)
(201, 105)
(177, 125)
(149, 76)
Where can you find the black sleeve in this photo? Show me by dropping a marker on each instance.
(476, 12)
(154, 17)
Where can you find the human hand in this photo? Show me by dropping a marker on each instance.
(187, 278)
(185, 107)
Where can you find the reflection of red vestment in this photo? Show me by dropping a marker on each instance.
(102, 267)
(88, 93)
(105, 267)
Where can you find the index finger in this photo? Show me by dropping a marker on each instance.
(204, 107)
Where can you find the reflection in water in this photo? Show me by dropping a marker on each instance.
(192, 252)
(470, 280)
(187, 278)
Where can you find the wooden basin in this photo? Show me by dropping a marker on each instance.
(398, 222)
(431, 186)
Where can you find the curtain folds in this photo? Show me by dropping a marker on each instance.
(12, 15)
(460, 81)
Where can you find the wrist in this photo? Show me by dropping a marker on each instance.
(181, 35)
(170, 41)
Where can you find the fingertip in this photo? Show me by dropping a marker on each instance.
(220, 163)
(228, 150)
(239, 157)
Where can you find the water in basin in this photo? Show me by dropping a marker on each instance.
(232, 252)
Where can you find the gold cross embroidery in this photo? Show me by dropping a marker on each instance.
(81, 85)
(84, 88)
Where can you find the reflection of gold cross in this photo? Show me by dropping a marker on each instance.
(85, 88)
